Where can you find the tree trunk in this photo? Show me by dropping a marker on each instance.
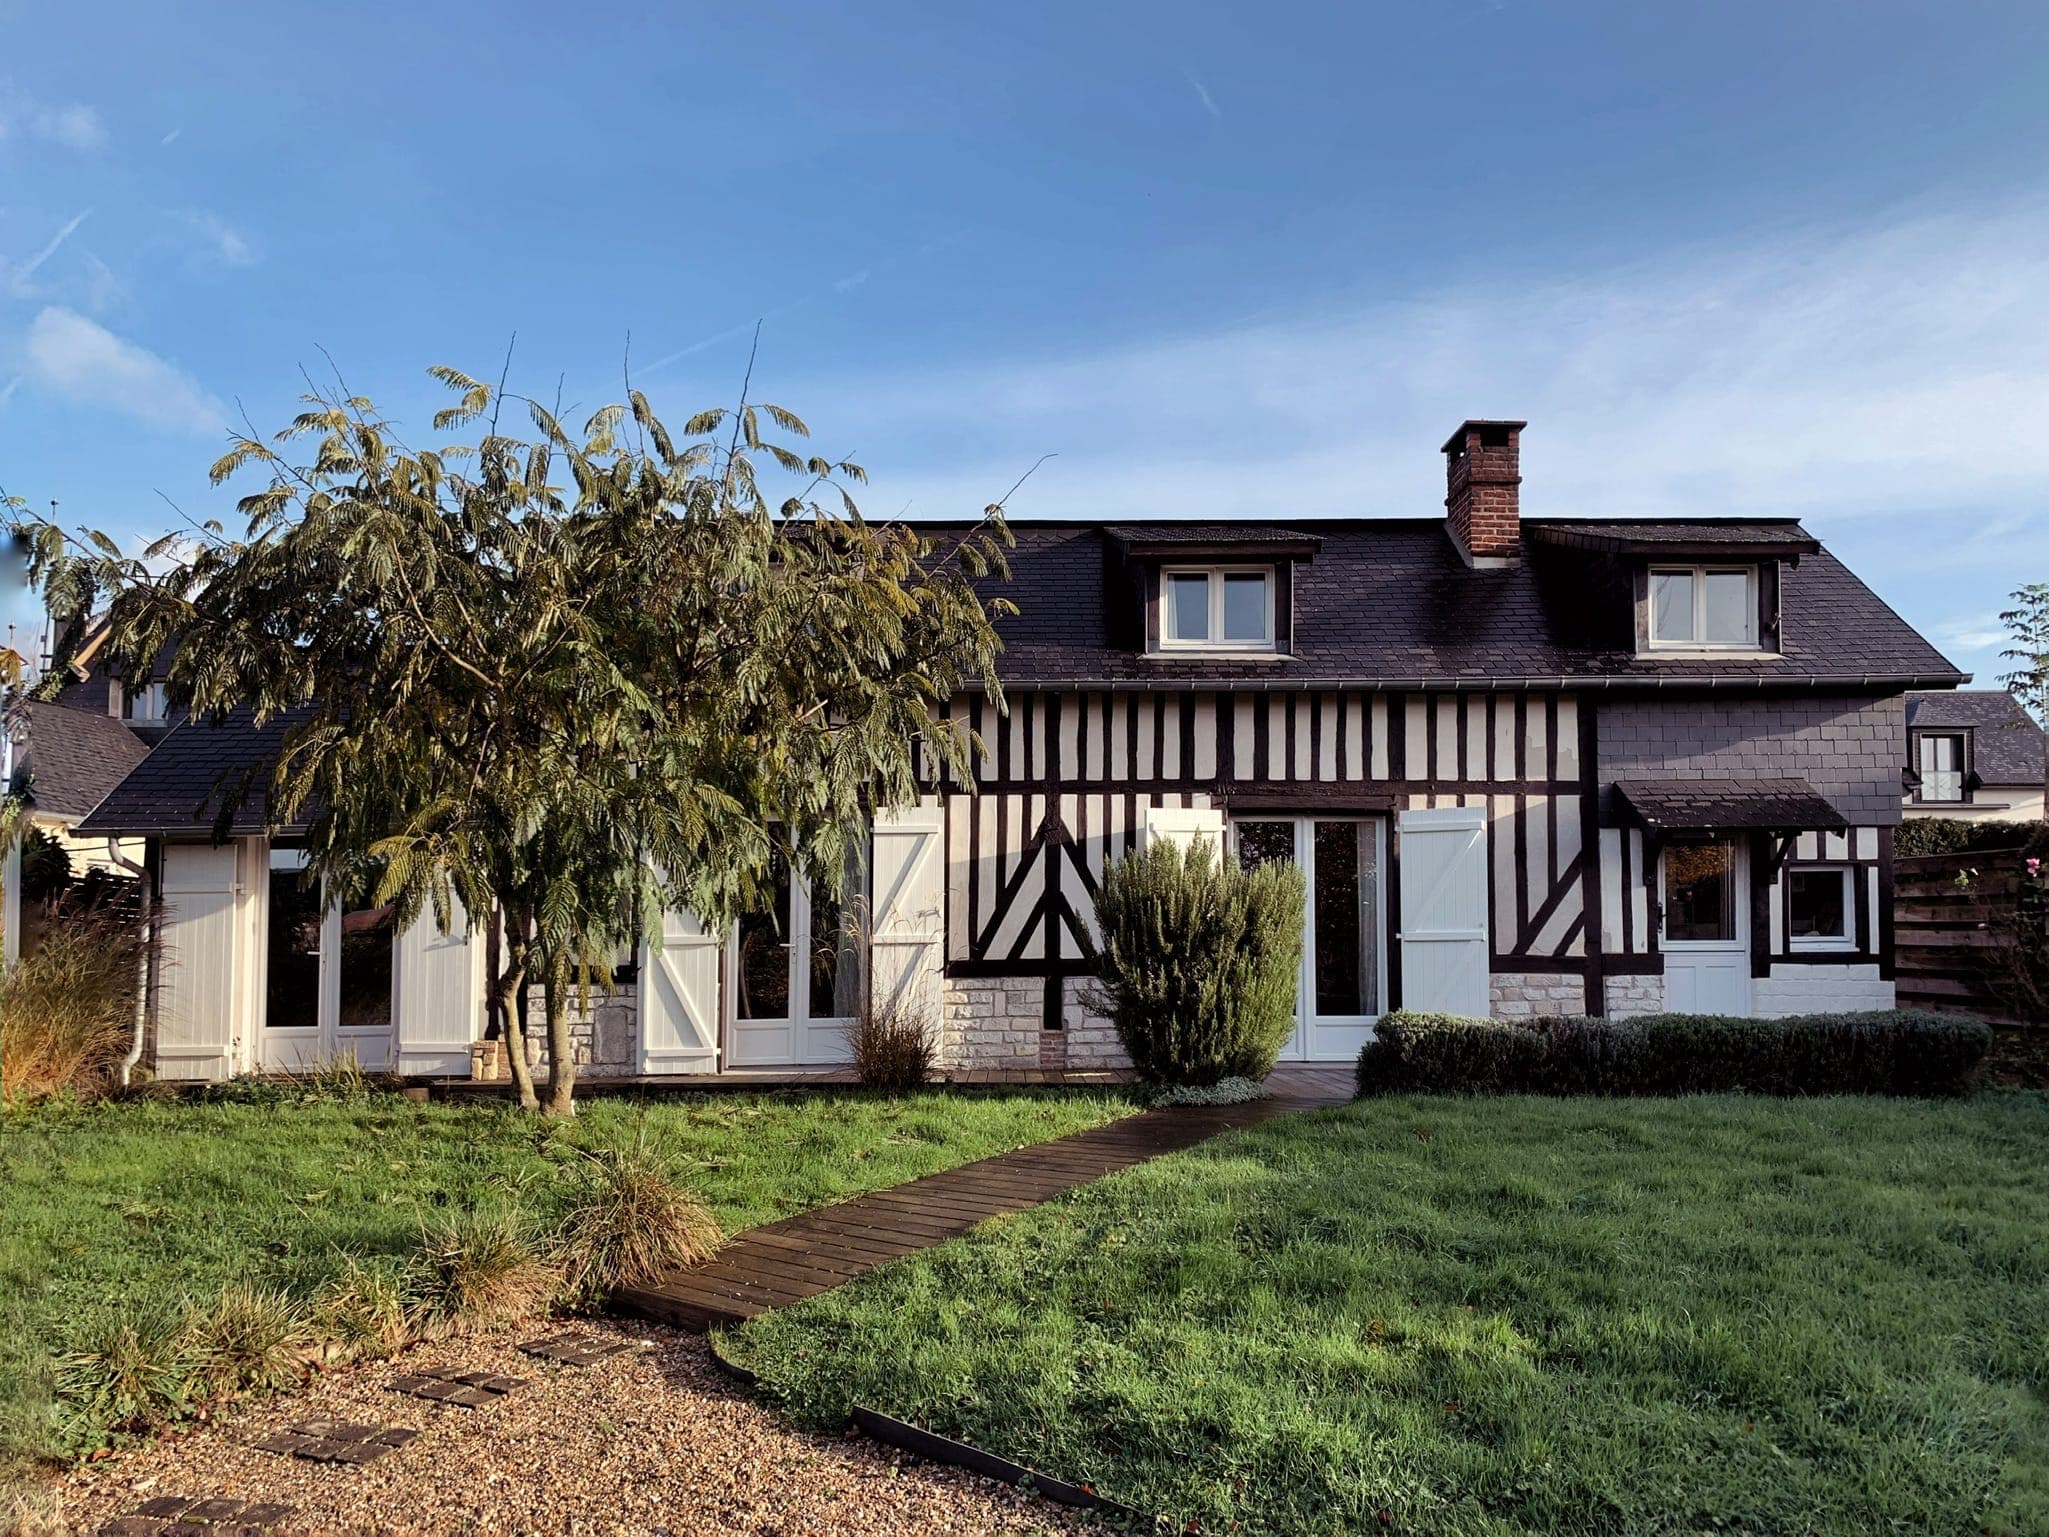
(511, 983)
(561, 1051)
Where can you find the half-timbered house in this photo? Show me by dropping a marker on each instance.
(1527, 766)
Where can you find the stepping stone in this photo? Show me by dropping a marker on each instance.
(576, 1349)
(452, 1385)
(181, 1516)
(335, 1441)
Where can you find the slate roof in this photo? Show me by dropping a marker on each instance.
(1389, 601)
(1694, 805)
(1386, 602)
(73, 758)
(2006, 745)
(196, 770)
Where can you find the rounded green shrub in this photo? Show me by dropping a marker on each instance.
(1200, 961)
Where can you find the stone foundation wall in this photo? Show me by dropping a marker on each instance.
(992, 1022)
(603, 1030)
(1525, 995)
(1091, 1040)
(1634, 995)
(1820, 989)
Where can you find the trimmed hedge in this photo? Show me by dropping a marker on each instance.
(1901, 1052)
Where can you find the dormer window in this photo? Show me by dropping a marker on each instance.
(143, 704)
(1217, 608)
(1703, 608)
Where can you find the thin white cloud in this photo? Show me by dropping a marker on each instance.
(170, 138)
(852, 281)
(220, 241)
(72, 124)
(19, 279)
(1202, 94)
(1885, 369)
(1976, 632)
(7, 390)
(82, 361)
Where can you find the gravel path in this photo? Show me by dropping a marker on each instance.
(654, 1440)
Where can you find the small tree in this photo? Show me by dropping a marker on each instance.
(2028, 622)
(1201, 960)
(568, 705)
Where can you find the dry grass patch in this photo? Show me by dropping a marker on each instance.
(480, 1271)
(630, 1224)
(67, 1010)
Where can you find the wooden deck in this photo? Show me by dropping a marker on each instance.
(784, 1262)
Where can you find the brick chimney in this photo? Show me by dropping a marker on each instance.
(1482, 503)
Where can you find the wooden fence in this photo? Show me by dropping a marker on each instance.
(1953, 936)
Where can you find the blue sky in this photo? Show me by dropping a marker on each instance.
(1219, 259)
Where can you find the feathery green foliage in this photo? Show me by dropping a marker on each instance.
(1201, 960)
(577, 677)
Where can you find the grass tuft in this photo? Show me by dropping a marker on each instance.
(124, 1375)
(629, 1223)
(480, 1271)
(359, 1314)
(248, 1339)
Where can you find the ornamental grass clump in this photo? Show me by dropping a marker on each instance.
(67, 1009)
(891, 1044)
(478, 1271)
(630, 1224)
(1200, 962)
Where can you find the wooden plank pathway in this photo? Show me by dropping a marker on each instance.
(784, 1262)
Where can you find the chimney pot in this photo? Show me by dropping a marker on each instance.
(1483, 500)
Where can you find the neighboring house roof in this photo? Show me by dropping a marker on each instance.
(73, 758)
(1677, 805)
(198, 767)
(2006, 745)
(1391, 602)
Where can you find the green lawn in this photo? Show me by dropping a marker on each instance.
(121, 1211)
(1502, 1316)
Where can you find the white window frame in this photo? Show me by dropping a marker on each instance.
(1847, 940)
(150, 696)
(1922, 739)
(1699, 573)
(1215, 575)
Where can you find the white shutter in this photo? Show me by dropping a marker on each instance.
(196, 985)
(1443, 855)
(1183, 825)
(907, 942)
(679, 998)
(438, 990)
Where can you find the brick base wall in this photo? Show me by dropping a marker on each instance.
(1820, 989)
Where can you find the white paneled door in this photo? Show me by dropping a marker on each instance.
(1706, 927)
(1443, 852)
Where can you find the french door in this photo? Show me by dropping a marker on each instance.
(328, 974)
(1344, 952)
(795, 970)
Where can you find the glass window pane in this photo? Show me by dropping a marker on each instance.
(292, 989)
(1942, 768)
(1245, 607)
(1338, 920)
(1672, 605)
(763, 975)
(1265, 842)
(1188, 607)
(366, 935)
(1817, 905)
(1728, 608)
(1700, 891)
(835, 979)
